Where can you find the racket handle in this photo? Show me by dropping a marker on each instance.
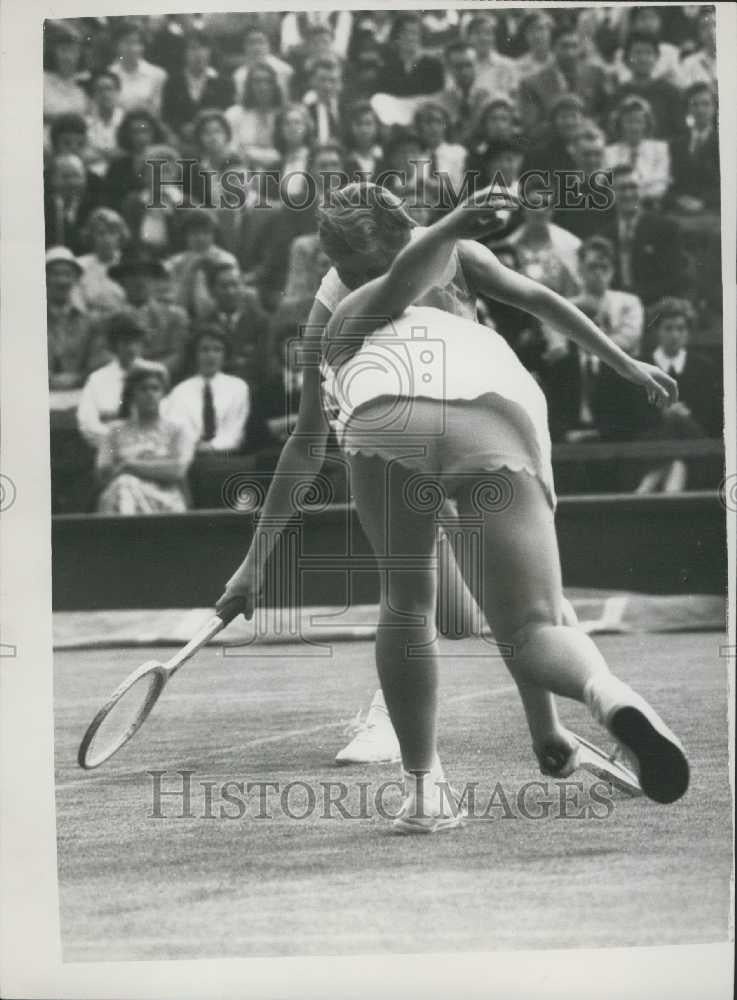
(231, 609)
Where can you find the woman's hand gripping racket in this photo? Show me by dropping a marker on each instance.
(132, 702)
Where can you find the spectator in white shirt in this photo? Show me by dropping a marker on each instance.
(102, 394)
(496, 74)
(441, 160)
(701, 66)
(211, 406)
(648, 158)
(106, 233)
(649, 21)
(141, 83)
(103, 122)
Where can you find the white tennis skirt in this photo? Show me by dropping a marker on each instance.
(452, 441)
(445, 396)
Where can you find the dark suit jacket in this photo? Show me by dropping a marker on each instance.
(696, 174)
(177, 106)
(700, 388)
(544, 87)
(426, 76)
(657, 264)
(619, 409)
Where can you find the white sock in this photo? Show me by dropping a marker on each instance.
(604, 693)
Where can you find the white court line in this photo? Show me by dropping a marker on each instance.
(289, 734)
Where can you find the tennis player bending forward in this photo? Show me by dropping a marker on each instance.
(494, 424)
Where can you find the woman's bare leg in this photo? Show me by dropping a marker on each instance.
(404, 542)
(521, 595)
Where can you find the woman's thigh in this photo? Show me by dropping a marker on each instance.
(518, 581)
(401, 528)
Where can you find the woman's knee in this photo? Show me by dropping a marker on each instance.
(515, 631)
(410, 594)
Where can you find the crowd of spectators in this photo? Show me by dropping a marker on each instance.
(171, 293)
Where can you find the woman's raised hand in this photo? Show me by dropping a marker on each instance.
(483, 213)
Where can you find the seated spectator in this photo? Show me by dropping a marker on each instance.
(463, 98)
(647, 244)
(557, 151)
(325, 169)
(496, 74)
(363, 154)
(152, 215)
(536, 29)
(103, 121)
(197, 85)
(138, 130)
(237, 311)
(62, 90)
(649, 21)
(408, 72)
(165, 326)
(210, 406)
(256, 50)
(102, 395)
(502, 166)
(141, 83)
(322, 102)
(143, 461)
(106, 234)
(497, 153)
(68, 135)
(366, 72)
(297, 28)
(68, 202)
(586, 206)
(569, 72)
(649, 159)
(663, 97)
(402, 153)
(317, 46)
(698, 412)
(695, 155)
(252, 122)
(68, 327)
(587, 400)
(188, 269)
(619, 314)
(602, 30)
(165, 45)
(701, 65)
(441, 160)
(546, 252)
(308, 265)
(211, 136)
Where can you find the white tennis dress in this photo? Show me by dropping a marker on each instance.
(438, 391)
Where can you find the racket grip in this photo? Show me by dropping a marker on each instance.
(231, 609)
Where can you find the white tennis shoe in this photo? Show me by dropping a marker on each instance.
(429, 805)
(375, 741)
(655, 752)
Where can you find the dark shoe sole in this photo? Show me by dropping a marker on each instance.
(664, 771)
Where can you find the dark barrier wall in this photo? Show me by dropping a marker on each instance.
(654, 544)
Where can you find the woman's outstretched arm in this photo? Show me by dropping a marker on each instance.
(416, 268)
(299, 464)
(488, 276)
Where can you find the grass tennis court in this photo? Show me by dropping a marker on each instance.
(136, 887)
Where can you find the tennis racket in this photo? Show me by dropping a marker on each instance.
(132, 702)
(608, 768)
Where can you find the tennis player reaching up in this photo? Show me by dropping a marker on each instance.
(495, 418)
(363, 229)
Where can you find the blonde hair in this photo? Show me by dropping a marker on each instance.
(362, 230)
